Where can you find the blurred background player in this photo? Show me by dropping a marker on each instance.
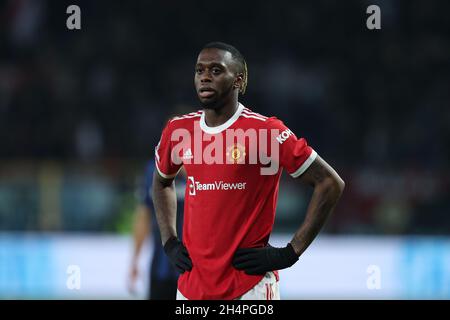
(163, 277)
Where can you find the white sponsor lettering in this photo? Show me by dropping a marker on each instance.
(284, 136)
(214, 186)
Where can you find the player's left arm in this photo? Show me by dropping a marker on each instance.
(303, 164)
(328, 187)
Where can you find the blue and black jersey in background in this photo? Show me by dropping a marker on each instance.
(163, 276)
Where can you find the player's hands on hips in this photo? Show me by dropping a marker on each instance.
(261, 260)
(178, 255)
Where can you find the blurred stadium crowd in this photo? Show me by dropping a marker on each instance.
(81, 111)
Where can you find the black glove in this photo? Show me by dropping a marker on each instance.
(178, 255)
(261, 260)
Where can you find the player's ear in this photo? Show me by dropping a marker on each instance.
(238, 81)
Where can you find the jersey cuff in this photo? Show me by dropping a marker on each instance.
(305, 165)
(166, 176)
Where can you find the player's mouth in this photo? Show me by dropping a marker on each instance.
(206, 93)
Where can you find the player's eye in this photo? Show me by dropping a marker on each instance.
(216, 70)
(198, 70)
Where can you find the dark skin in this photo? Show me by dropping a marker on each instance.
(328, 188)
(217, 82)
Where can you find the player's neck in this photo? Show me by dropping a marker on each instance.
(217, 117)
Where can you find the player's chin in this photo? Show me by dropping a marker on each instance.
(208, 103)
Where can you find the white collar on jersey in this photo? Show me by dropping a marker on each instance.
(223, 126)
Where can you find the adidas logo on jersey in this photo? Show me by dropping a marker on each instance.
(188, 154)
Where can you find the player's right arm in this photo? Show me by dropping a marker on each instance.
(165, 202)
(163, 187)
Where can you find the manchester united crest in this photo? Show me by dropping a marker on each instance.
(236, 153)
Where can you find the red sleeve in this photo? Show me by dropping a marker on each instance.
(165, 164)
(295, 154)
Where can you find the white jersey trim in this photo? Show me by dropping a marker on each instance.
(156, 152)
(253, 117)
(166, 176)
(247, 111)
(222, 127)
(188, 116)
(305, 165)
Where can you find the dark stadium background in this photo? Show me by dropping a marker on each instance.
(81, 111)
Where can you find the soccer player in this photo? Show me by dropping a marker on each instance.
(231, 194)
(163, 277)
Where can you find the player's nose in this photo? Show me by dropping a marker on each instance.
(205, 77)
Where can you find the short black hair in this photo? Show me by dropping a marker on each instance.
(236, 55)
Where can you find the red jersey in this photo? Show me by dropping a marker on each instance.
(231, 192)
